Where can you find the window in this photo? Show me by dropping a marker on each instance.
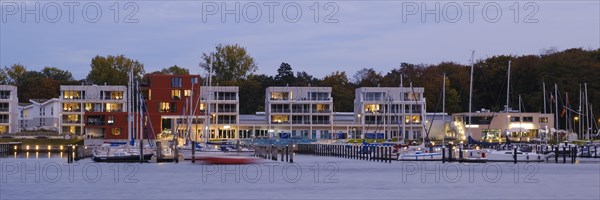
(111, 120)
(113, 107)
(543, 119)
(4, 94)
(173, 107)
(176, 94)
(51, 110)
(187, 93)
(372, 108)
(3, 107)
(164, 107)
(373, 96)
(71, 107)
(116, 131)
(527, 119)
(194, 80)
(70, 94)
(3, 118)
(515, 119)
(176, 82)
(319, 96)
(413, 119)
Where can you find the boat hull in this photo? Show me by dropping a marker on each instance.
(124, 158)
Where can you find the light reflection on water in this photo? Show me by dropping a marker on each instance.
(35, 155)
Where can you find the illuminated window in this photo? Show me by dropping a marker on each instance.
(412, 119)
(176, 94)
(371, 107)
(113, 107)
(164, 107)
(69, 94)
(116, 131)
(543, 119)
(187, 93)
(111, 120)
(71, 107)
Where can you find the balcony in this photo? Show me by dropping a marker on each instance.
(71, 110)
(71, 121)
(280, 110)
(320, 121)
(280, 122)
(96, 123)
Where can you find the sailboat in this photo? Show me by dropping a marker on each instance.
(510, 153)
(127, 152)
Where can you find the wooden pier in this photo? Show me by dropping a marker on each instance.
(376, 153)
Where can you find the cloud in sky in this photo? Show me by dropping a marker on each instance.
(367, 34)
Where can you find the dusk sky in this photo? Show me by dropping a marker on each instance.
(377, 34)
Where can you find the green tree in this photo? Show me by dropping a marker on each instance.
(57, 74)
(35, 85)
(342, 91)
(367, 77)
(15, 74)
(285, 75)
(229, 63)
(114, 70)
(173, 70)
(305, 79)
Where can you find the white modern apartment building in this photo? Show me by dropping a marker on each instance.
(299, 111)
(40, 114)
(390, 112)
(9, 103)
(223, 110)
(92, 103)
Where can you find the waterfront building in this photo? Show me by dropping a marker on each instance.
(170, 100)
(93, 111)
(39, 114)
(9, 103)
(223, 110)
(390, 112)
(305, 112)
(494, 126)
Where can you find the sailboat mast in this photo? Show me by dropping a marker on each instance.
(471, 92)
(443, 111)
(587, 113)
(546, 124)
(556, 110)
(507, 98)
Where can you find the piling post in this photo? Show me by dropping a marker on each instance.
(556, 153)
(589, 151)
(460, 154)
(193, 152)
(281, 150)
(595, 151)
(443, 155)
(564, 154)
(69, 153)
(574, 157)
(450, 153)
(141, 150)
(515, 155)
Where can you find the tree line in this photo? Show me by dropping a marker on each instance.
(232, 65)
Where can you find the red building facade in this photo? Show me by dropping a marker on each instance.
(168, 100)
